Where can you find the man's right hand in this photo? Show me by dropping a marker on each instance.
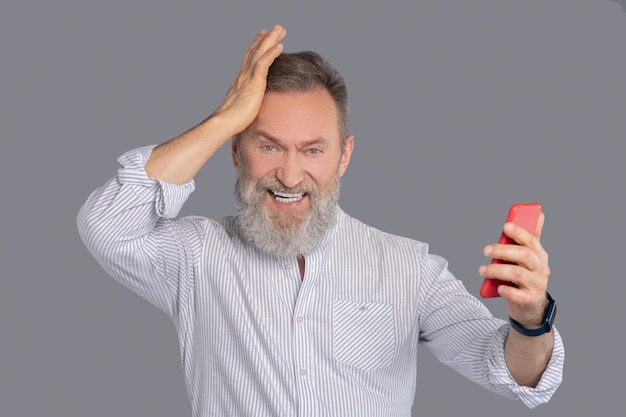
(243, 99)
(181, 158)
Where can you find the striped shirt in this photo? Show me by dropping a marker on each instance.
(256, 340)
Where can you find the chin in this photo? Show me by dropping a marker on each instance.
(288, 220)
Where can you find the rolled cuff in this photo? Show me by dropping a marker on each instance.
(549, 382)
(169, 197)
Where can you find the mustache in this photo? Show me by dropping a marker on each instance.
(275, 185)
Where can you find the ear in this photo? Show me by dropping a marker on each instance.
(346, 154)
(233, 152)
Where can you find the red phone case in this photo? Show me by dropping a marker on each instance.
(526, 216)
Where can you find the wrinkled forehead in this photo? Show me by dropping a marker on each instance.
(297, 117)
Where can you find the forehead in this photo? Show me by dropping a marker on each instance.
(298, 116)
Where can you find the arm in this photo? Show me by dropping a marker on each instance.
(526, 357)
(461, 332)
(125, 223)
(181, 158)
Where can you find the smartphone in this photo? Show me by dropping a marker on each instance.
(524, 215)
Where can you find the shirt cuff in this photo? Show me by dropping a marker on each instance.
(169, 198)
(549, 382)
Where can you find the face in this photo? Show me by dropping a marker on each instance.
(289, 162)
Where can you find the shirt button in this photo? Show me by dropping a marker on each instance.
(303, 372)
(288, 266)
(300, 319)
(363, 308)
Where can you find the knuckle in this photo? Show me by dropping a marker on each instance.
(526, 301)
(526, 254)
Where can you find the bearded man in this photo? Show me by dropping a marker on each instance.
(294, 308)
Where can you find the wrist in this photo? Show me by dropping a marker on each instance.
(219, 126)
(545, 326)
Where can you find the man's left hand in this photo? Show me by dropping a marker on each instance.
(528, 271)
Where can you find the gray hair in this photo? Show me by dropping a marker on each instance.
(302, 72)
(306, 71)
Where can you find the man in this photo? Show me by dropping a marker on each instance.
(293, 307)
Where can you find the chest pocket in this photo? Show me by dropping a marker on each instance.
(363, 334)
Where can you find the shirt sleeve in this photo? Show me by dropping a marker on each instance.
(127, 226)
(461, 332)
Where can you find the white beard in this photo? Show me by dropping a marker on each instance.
(284, 234)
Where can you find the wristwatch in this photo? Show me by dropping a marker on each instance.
(546, 325)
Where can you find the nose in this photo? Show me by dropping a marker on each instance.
(290, 171)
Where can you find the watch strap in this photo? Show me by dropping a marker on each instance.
(546, 325)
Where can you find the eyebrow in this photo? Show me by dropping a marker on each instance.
(261, 134)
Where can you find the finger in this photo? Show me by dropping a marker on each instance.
(256, 48)
(263, 43)
(525, 306)
(262, 65)
(257, 41)
(525, 239)
(253, 46)
(515, 295)
(270, 40)
(269, 49)
(539, 228)
(518, 234)
(513, 274)
(516, 254)
(517, 276)
(269, 56)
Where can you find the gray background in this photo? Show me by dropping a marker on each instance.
(459, 107)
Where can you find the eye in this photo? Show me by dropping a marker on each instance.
(268, 148)
(314, 151)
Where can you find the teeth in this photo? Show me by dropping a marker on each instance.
(285, 195)
(287, 198)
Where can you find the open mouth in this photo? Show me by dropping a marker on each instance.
(286, 197)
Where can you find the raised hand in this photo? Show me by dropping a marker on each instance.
(528, 271)
(243, 99)
(181, 158)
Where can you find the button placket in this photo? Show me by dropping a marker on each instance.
(302, 332)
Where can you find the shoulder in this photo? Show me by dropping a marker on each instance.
(370, 235)
(383, 249)
(206, 236)
(392, 247)
(205, 227)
